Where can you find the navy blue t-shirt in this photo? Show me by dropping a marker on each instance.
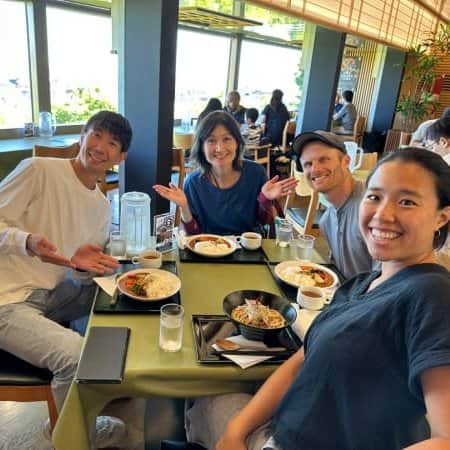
(226, 211)
(359, 387)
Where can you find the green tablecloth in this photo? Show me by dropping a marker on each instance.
(152, 372)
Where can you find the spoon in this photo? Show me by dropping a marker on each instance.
(225, 344)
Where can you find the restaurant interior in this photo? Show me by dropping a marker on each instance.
(158, 63)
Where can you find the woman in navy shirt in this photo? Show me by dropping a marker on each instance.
(378, 359)
(226, 194)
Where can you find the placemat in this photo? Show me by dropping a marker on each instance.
(289, 291)
(240, 256)
(126, 305)
(208, 328)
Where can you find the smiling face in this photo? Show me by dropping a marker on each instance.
(399, 214)
(99, 151)
(220, 148)
(324, 167)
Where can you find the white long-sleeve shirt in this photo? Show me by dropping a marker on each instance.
(44, 196)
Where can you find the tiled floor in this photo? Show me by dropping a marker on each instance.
(21, 424)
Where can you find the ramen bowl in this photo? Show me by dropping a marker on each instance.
(255, 333)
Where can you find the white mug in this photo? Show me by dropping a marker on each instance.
(150, 259)
(250, 240)
(311, 297)
(355, 153)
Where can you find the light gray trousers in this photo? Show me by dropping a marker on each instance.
(30, 330)
(207, 417)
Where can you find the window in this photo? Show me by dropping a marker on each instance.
(202, 64)
(265, 67)
(15, 92)
(83, 72)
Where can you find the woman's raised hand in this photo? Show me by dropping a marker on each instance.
(275, 189)
(172, 193)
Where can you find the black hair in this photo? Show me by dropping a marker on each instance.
(438, 129)
(275, 101)
(347, 96)
(214, 104)
(252, 114)
(439, 170)
(114, 123)
(446, 113)
(206, 127)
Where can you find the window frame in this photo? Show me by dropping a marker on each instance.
(38, 64)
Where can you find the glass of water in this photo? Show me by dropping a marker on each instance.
(171, 327)
(303, 246)
(284, 233)
(117, 245)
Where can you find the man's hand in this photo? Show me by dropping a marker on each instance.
(46, 251)
(90, 257)
(273, 188)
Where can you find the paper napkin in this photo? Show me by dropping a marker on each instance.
(108, 284)
(245, 361)
(305, 318)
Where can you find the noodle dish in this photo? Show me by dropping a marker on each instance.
(299, 274)
(148, 284)
(259, 314)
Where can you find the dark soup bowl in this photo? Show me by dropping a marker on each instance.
(255, 333)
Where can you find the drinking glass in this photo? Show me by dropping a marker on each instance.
(171, 327)
(117, 245)
(303, 246)
(284, 233)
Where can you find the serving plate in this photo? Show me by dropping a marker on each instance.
(294, 274)
(210, 245)
(168, 280)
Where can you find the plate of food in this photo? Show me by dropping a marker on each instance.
(211, 245)
(258, 314)
(148, 284)
(305, 274)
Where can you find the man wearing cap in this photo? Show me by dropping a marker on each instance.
(325, 164)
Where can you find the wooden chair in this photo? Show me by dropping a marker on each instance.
(301, 209)
(369, 161)
(107, 183)
(392, 141)
(405, 138)
(22, 382)
(261, 155)
(358, 131)
(178, 166)
(289, 130)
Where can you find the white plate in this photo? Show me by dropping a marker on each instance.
(168, 279)
(286, 271)
(205, 245)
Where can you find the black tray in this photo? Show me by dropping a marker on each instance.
(240, 256)
(126, 305)
(208, 328)
(289, 291)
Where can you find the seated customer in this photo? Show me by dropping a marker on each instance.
(214, 104)
(251, 132)
(54, 221)
(325, 164)
(235, 108)
(346, 115)
(418, 138)
(226, 194)
(374, 371)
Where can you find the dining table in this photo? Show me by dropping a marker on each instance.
(149, 371)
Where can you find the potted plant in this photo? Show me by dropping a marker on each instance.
(418, 101)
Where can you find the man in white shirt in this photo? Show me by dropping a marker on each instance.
(419, 136)
(54, 223)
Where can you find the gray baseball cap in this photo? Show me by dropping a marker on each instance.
(326, 137)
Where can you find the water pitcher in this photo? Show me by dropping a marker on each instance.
(135, 221)
(47, 124)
